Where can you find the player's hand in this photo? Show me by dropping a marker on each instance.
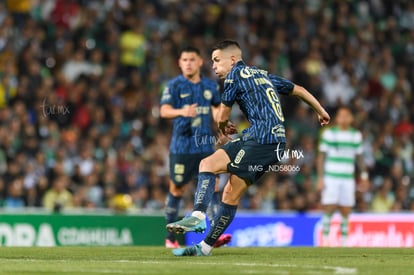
(324, 118)
(189, 110)
(227, 128)
(231, 128)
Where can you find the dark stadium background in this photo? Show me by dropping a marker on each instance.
(73, 108)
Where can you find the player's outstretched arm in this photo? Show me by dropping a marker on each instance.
(307, 97)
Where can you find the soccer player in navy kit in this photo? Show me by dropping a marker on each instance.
(191, 100)
(257, 93)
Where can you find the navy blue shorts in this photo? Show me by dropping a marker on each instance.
(184, 167)
(249, 160)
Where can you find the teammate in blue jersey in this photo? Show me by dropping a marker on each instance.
(257, 93)
(191, 100)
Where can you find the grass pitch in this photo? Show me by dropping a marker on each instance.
(159, 260)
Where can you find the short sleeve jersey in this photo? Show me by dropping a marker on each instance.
(341, 148)
(257, 93)
(192, 135)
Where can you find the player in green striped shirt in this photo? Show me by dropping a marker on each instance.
(340, 148)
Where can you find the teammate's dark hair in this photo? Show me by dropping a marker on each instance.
(225, 44)
(190, 49)
(344, 107)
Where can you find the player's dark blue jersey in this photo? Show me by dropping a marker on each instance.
(192, 135)
(257, 94)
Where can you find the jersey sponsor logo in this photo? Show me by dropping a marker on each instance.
(184, 95)
(196, 122)
(203, 110)
(228, 81)
(207, 94)
(262, 81)
(278, 130)
(245, 73)
(248, 72)
(165, 97)
(233, 165)
(165, 94)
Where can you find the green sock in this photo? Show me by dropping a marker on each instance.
(326, 224)
(344, 229)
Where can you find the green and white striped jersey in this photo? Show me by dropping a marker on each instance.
(340, 148)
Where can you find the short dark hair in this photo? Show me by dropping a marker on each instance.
(190, 49)
(224, 44)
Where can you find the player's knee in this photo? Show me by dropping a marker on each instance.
(176, 191)
(206, 165)
(233, 192)
(230, 198)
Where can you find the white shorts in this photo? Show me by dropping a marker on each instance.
(337, 191)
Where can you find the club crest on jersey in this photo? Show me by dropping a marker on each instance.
(207, 94)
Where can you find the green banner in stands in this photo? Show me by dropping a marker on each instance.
(80, 230)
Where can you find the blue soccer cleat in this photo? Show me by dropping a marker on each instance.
(194, 250)
(188, 224)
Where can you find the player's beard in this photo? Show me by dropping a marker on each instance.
(192, 76)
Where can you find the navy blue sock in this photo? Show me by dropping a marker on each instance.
(213, 208)
(205, 190)
(171, 212)
(222, 220)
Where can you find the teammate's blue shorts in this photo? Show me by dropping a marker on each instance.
(184, 167)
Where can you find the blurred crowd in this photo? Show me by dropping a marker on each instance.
(80, 84)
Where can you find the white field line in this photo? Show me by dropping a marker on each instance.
(337, 270)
